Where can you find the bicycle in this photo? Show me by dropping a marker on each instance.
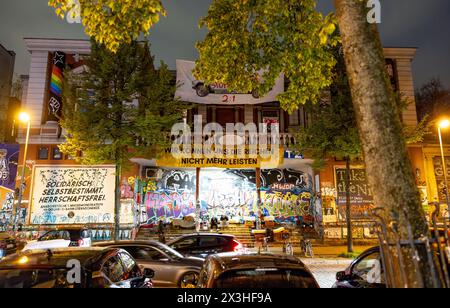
(307, 249)
(265, 244)
(288, 248)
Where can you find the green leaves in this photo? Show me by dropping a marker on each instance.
(112, 22)
(121, 107)
(250, 43)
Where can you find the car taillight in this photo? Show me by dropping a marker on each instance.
(237, 246)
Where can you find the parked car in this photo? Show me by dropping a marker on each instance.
(76, 237)
(8, 245)
(365, 272)
(205, 244)
(255, 271)
(172, 269)
(99, 268)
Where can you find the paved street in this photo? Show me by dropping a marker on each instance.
(325, 270)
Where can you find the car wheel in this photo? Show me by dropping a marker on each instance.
(202, 90)
(189, 280)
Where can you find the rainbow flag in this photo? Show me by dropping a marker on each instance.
(56, 81)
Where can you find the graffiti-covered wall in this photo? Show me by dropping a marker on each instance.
(9, 156)
(286, 194)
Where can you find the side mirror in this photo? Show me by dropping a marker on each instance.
(149, 273)
(341, 276)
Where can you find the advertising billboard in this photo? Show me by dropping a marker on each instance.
(72, 195)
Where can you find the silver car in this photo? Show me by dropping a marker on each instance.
(172, 269)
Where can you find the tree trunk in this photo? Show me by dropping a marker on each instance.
(389, 169)
(348, 207)
(117, 204)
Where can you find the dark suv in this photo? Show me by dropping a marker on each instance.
(205, 244)
(255, 271)
(8, 245)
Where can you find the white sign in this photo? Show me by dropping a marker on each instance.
(72, 195)
(194, 91)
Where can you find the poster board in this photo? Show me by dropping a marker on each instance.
(71, 195)
(218, 94)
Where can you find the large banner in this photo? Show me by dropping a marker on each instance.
(72, 195)
(440, 178)
(54, 108)
(9, 157)
(194, 91)
(361, 196)
(272, 159)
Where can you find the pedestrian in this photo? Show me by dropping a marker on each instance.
(214, 223)
(161, 232)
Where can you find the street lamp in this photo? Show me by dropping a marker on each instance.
(444, 124)
(25, 119)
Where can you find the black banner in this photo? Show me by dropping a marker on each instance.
(54, 105)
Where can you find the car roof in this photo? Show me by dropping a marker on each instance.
(233, 260)
(118, 243)
(56, 257)
(202, 234)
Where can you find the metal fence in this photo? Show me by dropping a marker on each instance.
(431, 251)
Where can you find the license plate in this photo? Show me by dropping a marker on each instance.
(9, 246)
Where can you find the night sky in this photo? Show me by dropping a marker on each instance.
(405, 23)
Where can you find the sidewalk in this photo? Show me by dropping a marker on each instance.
(322, 252)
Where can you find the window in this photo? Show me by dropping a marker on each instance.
(56, 154)
(55, 235)
(370, 269)
(35, 278)
(208, 241)
(43, 153)
(222, 240)
(146, 253)
(131, 268)
(186, 243)
(225, 116)
(294, 118)
(270, 117)
(113, 269)
(266, 278)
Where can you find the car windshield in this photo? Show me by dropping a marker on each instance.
(35, 278)
(266, 278)
(170, 252)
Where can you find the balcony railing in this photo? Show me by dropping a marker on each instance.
(285, 140)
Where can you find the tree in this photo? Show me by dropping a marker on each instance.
(332, 131)
(247, 37)
(433, 99)
(119, 108)
(250, 43)
(112, 22)
(389, 169)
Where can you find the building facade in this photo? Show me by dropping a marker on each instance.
(289, 191)
(7, 61)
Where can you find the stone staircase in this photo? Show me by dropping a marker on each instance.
(241, 232)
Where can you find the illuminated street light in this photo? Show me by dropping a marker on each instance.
(444, 124)
(25, 119)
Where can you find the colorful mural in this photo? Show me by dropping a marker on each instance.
(286, 194)
(9, 156)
